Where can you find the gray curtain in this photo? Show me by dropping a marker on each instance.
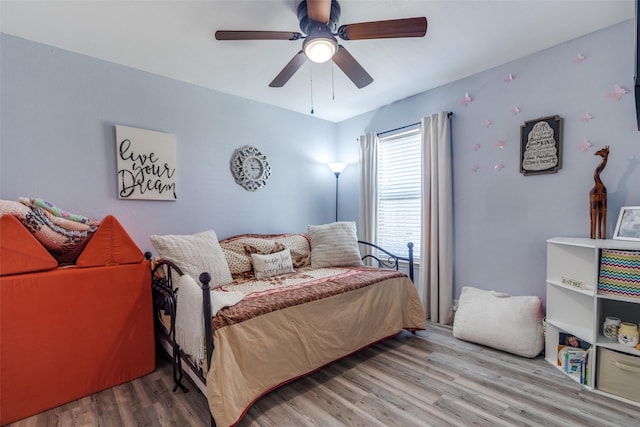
(436, 241)
(368, 221)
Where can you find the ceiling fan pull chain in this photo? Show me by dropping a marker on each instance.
(333, 84)
(311, 85)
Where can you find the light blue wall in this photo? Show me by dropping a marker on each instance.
(58, 115)
(503, 218)
(58, 112)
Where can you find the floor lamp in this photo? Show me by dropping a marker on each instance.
(337, 169)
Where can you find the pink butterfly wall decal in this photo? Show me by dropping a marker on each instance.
(617, 93)
(587, 117)
(475, 147)
(509, 78)
(579, 58)
(486, 123)
(585, 145)
(500, 144)
(475, 168)
(499, 167)
(516, 110)
(466, 100)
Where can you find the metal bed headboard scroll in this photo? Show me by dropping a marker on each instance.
(390, 260)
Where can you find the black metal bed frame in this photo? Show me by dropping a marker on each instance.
(165, 296)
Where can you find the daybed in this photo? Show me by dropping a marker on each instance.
(68, 331)
(282, 307)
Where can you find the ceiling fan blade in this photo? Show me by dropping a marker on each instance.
(319, 10)
(289, 70)
(257, 35)
(408, 27)
(351, 68)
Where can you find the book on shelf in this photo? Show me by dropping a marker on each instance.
(573, 356)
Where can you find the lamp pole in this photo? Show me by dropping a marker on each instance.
(337, 177)
(337, 169)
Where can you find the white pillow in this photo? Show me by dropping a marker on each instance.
(195, 254)
(494, 319)
(334, 245)
(272, 264)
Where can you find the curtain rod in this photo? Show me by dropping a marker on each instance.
(400, 128)
(449, 114)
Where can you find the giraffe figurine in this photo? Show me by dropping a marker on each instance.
(598, 199)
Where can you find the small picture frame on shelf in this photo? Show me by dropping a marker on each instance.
(628, 225)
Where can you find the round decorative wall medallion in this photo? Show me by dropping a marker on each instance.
(250, 168)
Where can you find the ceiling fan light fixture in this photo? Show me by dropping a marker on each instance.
(320, 48)
(320, 31)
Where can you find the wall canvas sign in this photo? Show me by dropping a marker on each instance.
(146, 162)
(541, 146)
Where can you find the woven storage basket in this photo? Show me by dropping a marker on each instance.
(619, 273)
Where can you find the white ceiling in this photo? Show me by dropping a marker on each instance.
(175, 39)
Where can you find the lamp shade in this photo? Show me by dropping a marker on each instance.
(336, 167)
(320, 47)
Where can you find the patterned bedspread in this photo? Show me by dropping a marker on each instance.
(295, 324)
(303, 286)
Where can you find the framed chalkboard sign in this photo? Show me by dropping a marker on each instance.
(541, 146)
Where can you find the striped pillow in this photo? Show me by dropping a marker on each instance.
(334, 245)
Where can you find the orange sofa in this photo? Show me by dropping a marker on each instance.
(68, 332)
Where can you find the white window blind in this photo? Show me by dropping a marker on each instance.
(399, 191)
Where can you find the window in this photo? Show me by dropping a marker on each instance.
(399, 178)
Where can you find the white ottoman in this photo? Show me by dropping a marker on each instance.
(509, 323)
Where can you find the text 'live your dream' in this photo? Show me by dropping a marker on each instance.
(143, 173)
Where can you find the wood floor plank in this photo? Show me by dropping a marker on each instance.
(423, 379)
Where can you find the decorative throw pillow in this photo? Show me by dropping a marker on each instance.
(250, 250)
(238, 249)
(273, 264)
(195, 254)
(334, 245)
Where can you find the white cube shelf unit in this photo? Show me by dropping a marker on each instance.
(574, 305)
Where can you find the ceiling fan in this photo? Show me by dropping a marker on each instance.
(319, 23)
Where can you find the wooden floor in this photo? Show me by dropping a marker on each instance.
(427, 379)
